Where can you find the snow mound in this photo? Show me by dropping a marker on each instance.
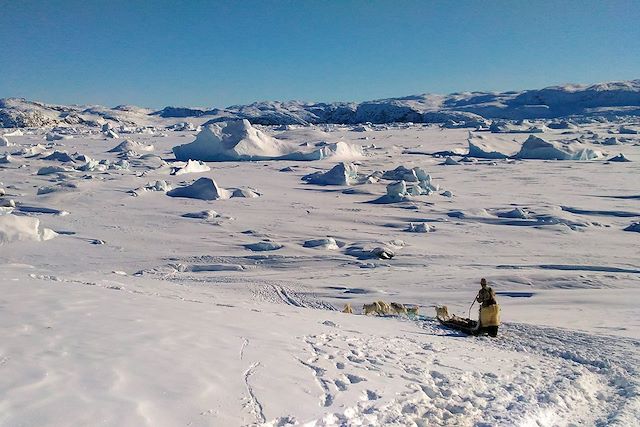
(536, 148)
(191, 166)
(130, 145)
(15, 228)
(340, 174)
(238, 140)
(203, 189)
(490, 148)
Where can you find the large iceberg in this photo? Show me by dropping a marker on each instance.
(238, 140)
(540, 149)
(485, 147)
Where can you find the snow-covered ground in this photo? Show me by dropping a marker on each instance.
(146, 309)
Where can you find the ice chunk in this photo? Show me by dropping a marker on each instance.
(397, 190)
(537, 148)
(15, 228)
(4, 142)
(619, 158)
(52, 136)
(635, 227)
(48, 170)
(340, 174)
(625, 130)
(265, 245)
(208, 214)
(203, 189)
(59, 156)
(611, 141)
(326, 243)
(450, 162)
(516, 213)
(485, 147)
(421, 227)
(192, 166)
(130, 145)
(110, 133)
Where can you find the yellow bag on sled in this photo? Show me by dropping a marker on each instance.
(490, 316)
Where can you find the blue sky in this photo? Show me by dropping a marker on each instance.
(218, 53)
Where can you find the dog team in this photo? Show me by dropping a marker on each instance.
(381, 308)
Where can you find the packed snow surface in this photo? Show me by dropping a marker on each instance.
(202, 304)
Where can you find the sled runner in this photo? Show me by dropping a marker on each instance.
(487, 324)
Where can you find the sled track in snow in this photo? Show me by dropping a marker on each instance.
(614, 359)
(254, 405)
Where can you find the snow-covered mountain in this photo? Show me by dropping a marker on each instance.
(468, 108)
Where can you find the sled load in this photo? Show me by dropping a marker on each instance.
(487, 323)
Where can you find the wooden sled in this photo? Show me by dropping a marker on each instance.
(488, 324)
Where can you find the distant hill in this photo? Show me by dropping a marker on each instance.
(466, 108)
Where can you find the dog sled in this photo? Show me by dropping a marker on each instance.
(487, 323)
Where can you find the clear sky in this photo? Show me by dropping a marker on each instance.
(218, 53)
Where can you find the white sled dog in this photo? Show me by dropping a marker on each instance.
(347, 308)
